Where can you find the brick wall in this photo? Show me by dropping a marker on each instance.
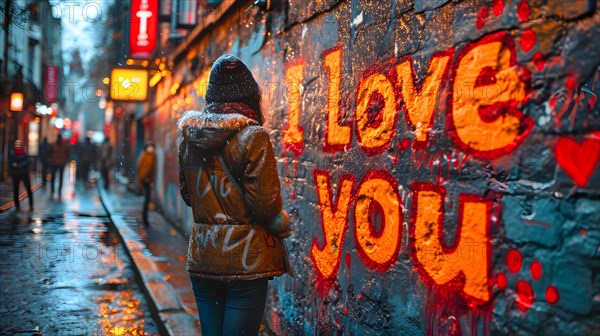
(439, 160)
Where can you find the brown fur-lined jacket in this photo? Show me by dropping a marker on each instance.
(228, 240)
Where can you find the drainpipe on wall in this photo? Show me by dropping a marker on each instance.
(173, 34)
(7, 121)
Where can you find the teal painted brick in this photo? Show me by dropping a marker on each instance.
(537, 221)
(574, 282)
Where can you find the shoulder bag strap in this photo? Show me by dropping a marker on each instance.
(205, 171)
(230, 176)
(288, 266)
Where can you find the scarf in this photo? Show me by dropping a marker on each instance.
(231, 107)
(19, 151)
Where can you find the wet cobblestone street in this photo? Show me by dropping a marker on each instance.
(64, 271)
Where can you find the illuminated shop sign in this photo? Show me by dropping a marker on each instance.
(128, 84)
(16, 101)
(144, 22)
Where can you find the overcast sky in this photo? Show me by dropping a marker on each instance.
(82, 25)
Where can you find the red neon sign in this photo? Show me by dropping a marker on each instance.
(144, 22)
(51, 83)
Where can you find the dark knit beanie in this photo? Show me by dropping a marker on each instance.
(230, 80)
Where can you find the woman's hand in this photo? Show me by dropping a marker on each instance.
(280, 225)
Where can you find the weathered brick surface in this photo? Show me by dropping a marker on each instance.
(527, 192)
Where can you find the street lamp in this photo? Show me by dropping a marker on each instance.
(16, 101)
(15, 105)
(59, 123)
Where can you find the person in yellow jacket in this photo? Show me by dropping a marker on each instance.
(145, 174)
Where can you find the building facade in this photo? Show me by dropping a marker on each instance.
(31, 59)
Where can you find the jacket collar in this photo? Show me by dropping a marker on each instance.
(209, 130)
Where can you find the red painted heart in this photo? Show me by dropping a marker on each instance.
(579, 161)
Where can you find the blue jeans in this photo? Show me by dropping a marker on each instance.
(230, 307)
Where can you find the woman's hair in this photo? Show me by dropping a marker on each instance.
(254, 103)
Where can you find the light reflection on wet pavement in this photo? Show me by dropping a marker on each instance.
(65, 272)
(162, 242)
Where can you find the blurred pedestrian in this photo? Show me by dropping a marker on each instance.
(19, 161)
(76, 149)
(44, 152)
(58, 158)
(87, 157)
(105, 161)
(228, 175)
(145, 173)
